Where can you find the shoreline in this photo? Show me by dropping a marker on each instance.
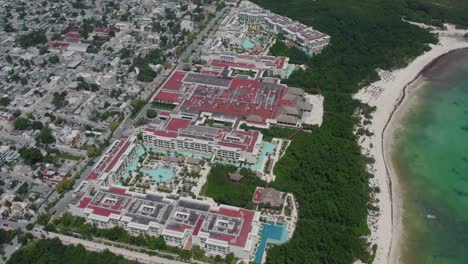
(389, 95)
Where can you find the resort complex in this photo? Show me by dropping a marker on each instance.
(250, 29)
(219, 229)
(310, 40)
(141, 116)
(230, 89)
(148, 186)
(150, 181)
(226, 143)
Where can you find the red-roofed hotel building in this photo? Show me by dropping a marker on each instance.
(218, 229)
(113, 164)
(226, 144)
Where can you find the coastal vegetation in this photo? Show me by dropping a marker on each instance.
(77, 226)
(53, 251)
(325, 169)
(272, 132)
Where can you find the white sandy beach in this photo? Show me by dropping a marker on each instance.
(387, 95)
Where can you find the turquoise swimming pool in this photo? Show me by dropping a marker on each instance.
(159, 174)
(247, 43)
(291, 68)
(180, 152)
(162, 173)
(271, 233)
(309, 54)
(268, 147)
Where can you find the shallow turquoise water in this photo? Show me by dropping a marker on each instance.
(247, 44)
(291, 69)
(271, 233)
(268, 147)
(163, 174)
(431, 159)
(159, 174)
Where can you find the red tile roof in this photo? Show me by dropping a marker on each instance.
(103, 211)
(84, 202)
(257, 197)
(175, 81)
(119, 191)
(92, 176)
(225, 64)
(167, 97)
(243, 234)
(164, 113)
(117, 156)
(198, 226)
(161, 133)
(175, 124)
(73, 35)
(111, 159)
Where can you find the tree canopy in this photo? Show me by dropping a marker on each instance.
(21, 123)
(219, 187)
(324, 169)
(31, 155)
(45, 136)
(53, 251)
(32, 38)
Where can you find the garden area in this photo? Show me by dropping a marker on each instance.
(223, 190)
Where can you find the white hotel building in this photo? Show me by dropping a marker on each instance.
(218, 229)
(308, 38)
(113, 164)
(226, 144)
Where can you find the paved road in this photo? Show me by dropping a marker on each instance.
(7, 224)
(211, 25)
(69, 150)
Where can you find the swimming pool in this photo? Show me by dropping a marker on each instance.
(247, 43)
(159, 174)
(271, 233)
(268, 147)
(184, 153)
(309, 54)
(291, 68)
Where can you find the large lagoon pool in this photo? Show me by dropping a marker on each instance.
(158, 174)
(247, 43)
(271, 233)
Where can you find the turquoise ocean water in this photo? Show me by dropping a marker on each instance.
(431, 158)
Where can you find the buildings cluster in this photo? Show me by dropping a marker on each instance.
(250, 29)
(112, 164)
(177, 134)
(306, 37)
(218, 229)
(237, 87)
(80, 83)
